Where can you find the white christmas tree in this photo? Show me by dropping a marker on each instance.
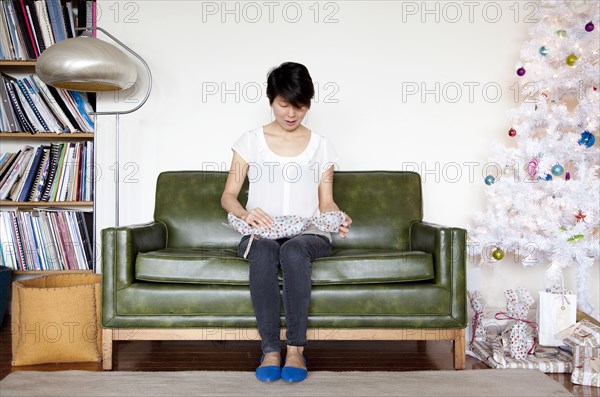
(543, 190)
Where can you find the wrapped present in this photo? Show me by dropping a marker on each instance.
(493, 327)
(584, 339)
(517, 307)
(478, 332)
(286, 226)
(492, 353)
(530, 337)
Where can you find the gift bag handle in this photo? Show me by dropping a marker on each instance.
(563, 291)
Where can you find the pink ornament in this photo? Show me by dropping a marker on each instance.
(532, 167)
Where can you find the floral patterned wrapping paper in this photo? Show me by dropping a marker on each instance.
(287, 225)
(530, 339)
(477, 304)
(517, 308)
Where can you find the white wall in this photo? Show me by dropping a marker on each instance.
(362, 61)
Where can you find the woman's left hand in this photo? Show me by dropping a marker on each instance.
(345, 226)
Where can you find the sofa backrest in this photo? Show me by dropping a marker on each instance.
(382, 205)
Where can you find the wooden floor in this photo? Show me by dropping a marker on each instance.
(245, 356)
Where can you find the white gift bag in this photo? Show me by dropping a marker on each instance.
(557, 310)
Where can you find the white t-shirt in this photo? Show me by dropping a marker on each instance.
(282, 185)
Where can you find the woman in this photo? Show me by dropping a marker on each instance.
(290, 170)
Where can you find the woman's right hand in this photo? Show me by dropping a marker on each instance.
(258, 218)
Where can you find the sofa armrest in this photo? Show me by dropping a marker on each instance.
(448, 247)
(120, 246)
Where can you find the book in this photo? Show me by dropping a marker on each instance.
(79, 259)
(18, 184)
(7, 165)
(55, 150)
(65, 241)
(81, 14)
(35, 24)
(11, 123)
(51, 249)
(67, 174)
(39, 240)
(85, 222)
(74, 194)
(41, 175)
(88, 172)
(16, 46)
(45, 113)
(83, 108)
(32, 109)
(55, 103)
(16, 104)
(6, 47)
(8, 246)
(44, 20)
(20, 253)
(28, 240)
(73, 108)
(25, 27)
(15, 172)
(68, 15)
(28, 112)
(60, 173)
(57, 21)
(30, 175)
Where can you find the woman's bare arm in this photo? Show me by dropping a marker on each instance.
(326, 202)
(229, 198)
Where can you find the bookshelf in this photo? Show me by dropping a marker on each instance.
(7, 63)
(67, 219)
(46, 135)
(43, 272)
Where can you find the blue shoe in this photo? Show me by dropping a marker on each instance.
(294, 374)
(269, 373)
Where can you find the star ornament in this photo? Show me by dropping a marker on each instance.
(580, 216)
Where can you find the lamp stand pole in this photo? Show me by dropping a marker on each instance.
(116, 113)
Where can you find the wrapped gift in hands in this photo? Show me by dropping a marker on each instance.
(287, 226)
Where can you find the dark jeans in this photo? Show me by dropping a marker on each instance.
(295, 256)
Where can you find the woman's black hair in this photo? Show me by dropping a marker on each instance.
(292, 82)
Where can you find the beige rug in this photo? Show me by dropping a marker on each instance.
(485, 382)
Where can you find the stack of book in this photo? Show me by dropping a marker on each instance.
(29, 105)
(28, 27)
(46, 239)
(56, 172)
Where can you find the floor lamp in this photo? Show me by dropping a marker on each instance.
(86, 63)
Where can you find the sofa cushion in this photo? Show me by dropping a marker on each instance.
(223, 266)
(382, 205)
(173, 303)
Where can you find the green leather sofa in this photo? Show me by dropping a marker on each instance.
(179, 277)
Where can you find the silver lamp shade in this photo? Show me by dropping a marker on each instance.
(86, 63)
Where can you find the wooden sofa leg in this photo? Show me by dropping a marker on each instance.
(107, 348)
(459, 349)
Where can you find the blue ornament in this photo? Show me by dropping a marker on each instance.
(557, 170)
(587, 138)
(548, 177)
(489, 180)
(543, 50)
